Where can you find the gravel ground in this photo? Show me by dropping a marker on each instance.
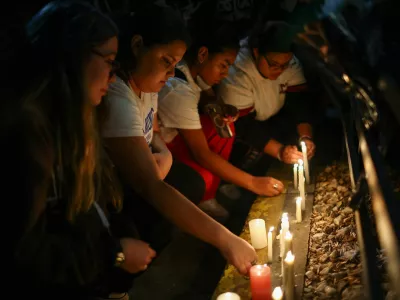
(334, 266)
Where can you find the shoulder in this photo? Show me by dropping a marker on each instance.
(177, 90)
(119, 90)
(295, 70)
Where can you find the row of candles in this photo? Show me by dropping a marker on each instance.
(260, 275)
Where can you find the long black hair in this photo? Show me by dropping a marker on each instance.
(62, 36)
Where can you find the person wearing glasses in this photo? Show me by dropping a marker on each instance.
(60, 185)
(267, 84)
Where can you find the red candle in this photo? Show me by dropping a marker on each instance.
(260, 281)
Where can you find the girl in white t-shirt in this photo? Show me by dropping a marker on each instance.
(265, 73)
(191, 136)
(152, 42)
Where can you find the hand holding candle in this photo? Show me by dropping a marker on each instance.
(258, 233)
(260, 282)
(305, 159)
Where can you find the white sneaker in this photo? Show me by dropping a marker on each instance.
(214, 209)
(231, 191)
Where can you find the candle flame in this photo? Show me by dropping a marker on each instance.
(288, 235)
(228, 295)
(303, 144)
(277, 293)
(289, 257)
(299, 199)
(271, 228)
(301, 162)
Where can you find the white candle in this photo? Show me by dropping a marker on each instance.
(270, 244)
(277, 294)
(258, 233)
(303, 194)
(289, 276)
(288, 242)
(286, 248)
(285, 228)
(299, 202)
(301, 172)
(295, 175)
(305, 159)
(228, 296)
(280, 243)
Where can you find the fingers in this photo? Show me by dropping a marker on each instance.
(279, 185)
(152, 253)
(244, 268)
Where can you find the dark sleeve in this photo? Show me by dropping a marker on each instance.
(299, 105)
(48, 250)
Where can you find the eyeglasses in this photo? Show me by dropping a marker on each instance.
(114, 64)
(275, 66)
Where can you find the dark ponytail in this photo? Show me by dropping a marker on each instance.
(216, 36)
(155, 24)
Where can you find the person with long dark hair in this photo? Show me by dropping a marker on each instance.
(152, 42)
(60, 187)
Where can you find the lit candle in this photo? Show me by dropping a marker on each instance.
(303, 194)
(270, 244)
(288, 242)
(301, 184)
(305, 159)
(277, 293)
(284, 227)
(289, 276)
(299, 202)
(295, 175)
(287, 247)
(260, 282)
(258, 233)
(228, 296)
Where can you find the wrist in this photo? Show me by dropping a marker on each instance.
(280, 152)
(223, 239)
(304, 138)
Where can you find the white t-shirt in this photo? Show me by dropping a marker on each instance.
(129, 115)
(245, 87)
(178, 102)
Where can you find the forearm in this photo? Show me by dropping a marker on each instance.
(273, 148)
(158, 143)
(304, 130)
(184, 214)
(224, 169)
